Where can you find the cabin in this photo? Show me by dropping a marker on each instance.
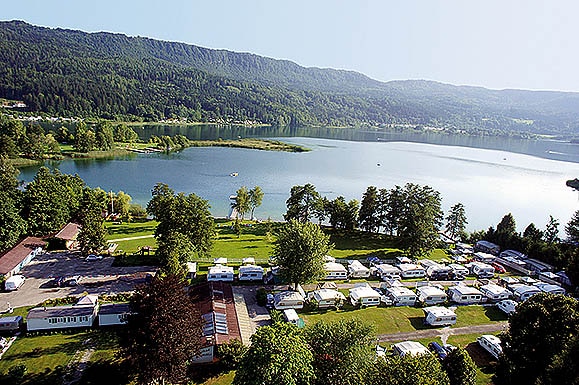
(191, 270)
(335, 271)
(483, 257)
(326, 298)
(357, 270)
(68, 235)
(487, 247)
(113, 314)
(251, 273)
(481, 269)
(14, 260)
(522, 292)
(216, 305)
(411, 270)
(431, 295)
(549, 288)
(508, 306)
(491, 344)
(80, 315)
(401, 296)
(364, 295)
(494, 292)
(385, 271)
(410, 347)
(465, 295)
(220, 273)
(11, 324)
(439, 316)
(288, 300)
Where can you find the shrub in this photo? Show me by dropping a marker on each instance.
(231, 353)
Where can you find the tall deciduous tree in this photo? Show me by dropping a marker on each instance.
(92, 235)
(572, 228)
(299, 252)
(164, 332)
(12, 225)
(255, 198)
(541, 329)
(343, 351)
(278, 355)
(408, 370)
(301, 203)
(242, 203)
(343, 215)
(84, 138)
(460, 368)
(369, 216)
(456, 222)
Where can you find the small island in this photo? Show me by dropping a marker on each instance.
(255, 144)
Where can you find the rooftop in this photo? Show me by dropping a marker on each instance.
(13, 257)
(69, 232)
(60, 311)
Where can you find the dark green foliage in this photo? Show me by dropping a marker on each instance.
(572, 228)
(460, 368)
(231, 353)
(551, 233)
(369, 215)
(164, 333)
(242, 201)
(299, 252)
(456, 222)
(343, 215)
(92, 236)
(302, 203)
(408, 370)
(343, 351)
(261, 296)
(12, 225)
(255, 198)
(540, 332)
(278, 355)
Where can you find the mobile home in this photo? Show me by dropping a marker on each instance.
(439, 316)
(410, 347)
(481, 269)
(335, 270)
(410, 270)
(508, 306)
(10, 324)
(385, 271)
(401, 296)
(465, 295)
(523, 292)
(494, 292)
(251, 273)
(364, 295)
(357, 270)
(288, 300)
(431, 295)
(326, 298)
(220, 273)
(112, 314)
(491, 344)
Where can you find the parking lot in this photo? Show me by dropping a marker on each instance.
(96, 277)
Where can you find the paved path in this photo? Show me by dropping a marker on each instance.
(447, 331)
(243, 320)
(131, 238)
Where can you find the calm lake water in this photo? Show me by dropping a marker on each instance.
(490, 176)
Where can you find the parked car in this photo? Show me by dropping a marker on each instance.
(440, 352)
(498, 268)
(94, 257)
(73, 281)
(449, 348)
(57, 282)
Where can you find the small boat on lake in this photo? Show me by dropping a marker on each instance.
(233, 174)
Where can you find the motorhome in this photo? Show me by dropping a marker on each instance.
(431, 295)
(465, 295)
(335, 271)
(401, 296)
(494, 292)
(385, 271)
(220, 273)
(251, 273)
(491, 344)
(508, 306)
(523, 292)
(326, 298)
(410, 270)
(357, 270)
(288, 300)
(14, 282)
(439, 316)
(364, 295)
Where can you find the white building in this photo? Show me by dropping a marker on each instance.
(411, 270)
(335, 270)
(364, 295)
(251, 273)
(401, 296)
(439, 316)
(409, 347)
(431, 295)
(111, 314)
(81, 315)
(288, 300)
(220, 273)
(357, 270)
(13, 260)
(495, 292)
(326, 298)
(465, 295)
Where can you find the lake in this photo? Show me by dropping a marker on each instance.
(489, 182)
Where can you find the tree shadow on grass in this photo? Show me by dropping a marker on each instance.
(67, 347)
(495, 314)
(418, 323)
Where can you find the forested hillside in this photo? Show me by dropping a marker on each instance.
(73, 73)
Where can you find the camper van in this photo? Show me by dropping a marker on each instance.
(251, 273)
(410, 270)
(491, 344)
(364, 295)
(431, 295)
(335, 271)
(401, 296)
(357, 270)
(288, 300)
(14, 282)
(494, 292)
(439, 316)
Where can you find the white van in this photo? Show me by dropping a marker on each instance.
(14, 282)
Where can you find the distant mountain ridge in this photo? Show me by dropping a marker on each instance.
(115, 76)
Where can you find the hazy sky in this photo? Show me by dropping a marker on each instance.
(492, 43)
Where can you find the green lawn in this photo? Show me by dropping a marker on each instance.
(130, 229)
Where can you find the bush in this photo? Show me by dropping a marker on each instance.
(231, 353)
(261, 296)
(276, 316)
